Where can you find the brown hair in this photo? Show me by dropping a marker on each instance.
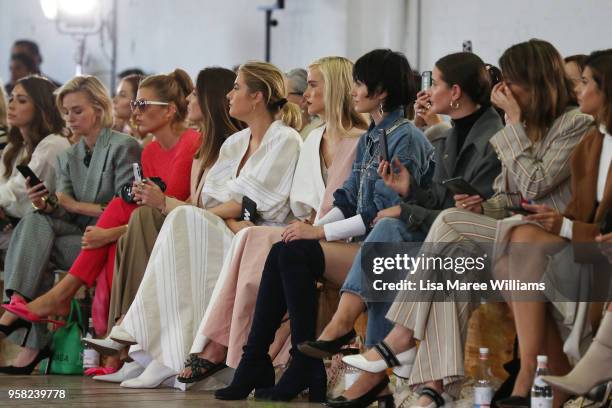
(47, 120)
(579, 59)
(538, 67)
(266, 78)
(600, 63)
(134, 80)
(172, 88)
(470, 73)
(212, 86)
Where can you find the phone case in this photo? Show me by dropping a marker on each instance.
(249, 210)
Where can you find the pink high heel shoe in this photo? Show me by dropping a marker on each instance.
(19, 308)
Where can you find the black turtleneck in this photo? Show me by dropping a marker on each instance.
(464, 125)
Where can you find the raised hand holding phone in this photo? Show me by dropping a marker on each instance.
(397, 178)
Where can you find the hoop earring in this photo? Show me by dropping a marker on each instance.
(454, 104)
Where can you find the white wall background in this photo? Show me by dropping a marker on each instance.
(158, 35)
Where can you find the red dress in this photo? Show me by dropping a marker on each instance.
(174, 168)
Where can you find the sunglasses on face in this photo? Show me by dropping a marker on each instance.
(142, 104)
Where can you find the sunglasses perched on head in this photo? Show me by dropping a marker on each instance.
(142, 104)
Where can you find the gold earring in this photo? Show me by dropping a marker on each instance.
(454, 104)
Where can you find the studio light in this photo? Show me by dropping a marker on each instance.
(49, 8)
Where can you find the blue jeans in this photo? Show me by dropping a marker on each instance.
(385, 230)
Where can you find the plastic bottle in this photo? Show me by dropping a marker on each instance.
(483, 389)
(541, 392)
(91, 358)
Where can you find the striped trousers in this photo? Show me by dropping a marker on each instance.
(442, 327)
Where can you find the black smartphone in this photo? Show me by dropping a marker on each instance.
(519, 210)
(425, 80)
(459, 186)
(27, 172)
(249, 209)
(605, 226)
(384, 146)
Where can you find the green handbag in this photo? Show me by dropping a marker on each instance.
(67, 348)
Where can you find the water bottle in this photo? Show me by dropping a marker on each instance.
(541, 392)
(91, 358)
(483, 389)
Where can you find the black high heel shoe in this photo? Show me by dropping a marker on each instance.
(7, 330)
(366, 399)
(303, 373)
(27, 370)
(248, 376)
(326, 348)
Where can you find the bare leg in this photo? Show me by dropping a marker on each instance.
(530, 317)
(25, 357)
(57, 300)
(349, 309)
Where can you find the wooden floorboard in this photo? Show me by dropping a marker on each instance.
(84, 392)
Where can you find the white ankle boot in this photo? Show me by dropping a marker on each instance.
(128, 371)
(152, 377)
(594, 368)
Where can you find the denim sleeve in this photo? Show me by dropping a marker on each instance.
(414, 151)
(345, 198)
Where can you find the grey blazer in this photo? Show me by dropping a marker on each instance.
(477, 163)
(109, 169)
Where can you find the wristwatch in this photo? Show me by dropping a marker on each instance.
(51, 199)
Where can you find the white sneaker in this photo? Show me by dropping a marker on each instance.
(107, 346)
(118, 334)
(128, 371)
(153, 376)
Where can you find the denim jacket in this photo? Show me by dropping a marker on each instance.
(364, 192)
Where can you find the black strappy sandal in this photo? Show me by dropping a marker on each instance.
(201, 369)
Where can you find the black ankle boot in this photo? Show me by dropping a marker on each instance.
(303, 373)
(249, 375)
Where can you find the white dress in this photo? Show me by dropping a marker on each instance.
(189, 252)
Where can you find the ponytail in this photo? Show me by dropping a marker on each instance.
(291, 115)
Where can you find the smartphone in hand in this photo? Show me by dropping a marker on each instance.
(27, 172)
(458, 185)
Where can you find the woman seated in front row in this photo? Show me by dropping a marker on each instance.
(382, 88)
(534, 148)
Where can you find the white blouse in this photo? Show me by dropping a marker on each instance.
(13, 196)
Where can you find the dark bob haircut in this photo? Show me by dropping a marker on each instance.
(383, 70)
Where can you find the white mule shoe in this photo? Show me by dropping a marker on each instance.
(118, 334)
(153, 376)
(128, 371)
(107, 346)
(402, 363)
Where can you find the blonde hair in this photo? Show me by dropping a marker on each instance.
(97, 93)
(266, 78)
(340, 111)
(3, 118)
